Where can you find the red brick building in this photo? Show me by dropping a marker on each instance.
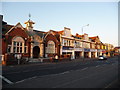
(15, 40)
(52, 44)
(20, 41)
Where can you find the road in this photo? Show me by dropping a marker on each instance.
(71, 74)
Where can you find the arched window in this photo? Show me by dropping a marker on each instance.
(50, 47)
(18, 45)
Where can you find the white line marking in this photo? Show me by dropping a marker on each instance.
(97, 65)
(84, 68)
(65, 72)
(26, 79)
(110, 84)
(5, 79)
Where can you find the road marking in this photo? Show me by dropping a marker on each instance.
(64, 72)
(111, 83)
(84, 68)
(11, 66)
(97, 65)
(26, 79)
(5, 79)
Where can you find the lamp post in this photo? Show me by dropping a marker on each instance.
(84, 26)
(82, 42)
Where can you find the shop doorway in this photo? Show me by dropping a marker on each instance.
(86, 54)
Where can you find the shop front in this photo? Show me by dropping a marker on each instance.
(68, 52)
(78, 53)
(93, 53)
(87, 53)
(99, 52)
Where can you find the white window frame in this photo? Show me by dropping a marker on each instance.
(50, 47)
(19, 43)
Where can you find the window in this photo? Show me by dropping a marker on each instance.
(18, 45)
(69, 43)
(50, 47)
(65, 42)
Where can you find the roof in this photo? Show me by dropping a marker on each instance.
(61, 32)
(117, 47)
(40, 33)
(6, 28)
(94, 37)
(30, 21)
(35, 32)
(77, 35)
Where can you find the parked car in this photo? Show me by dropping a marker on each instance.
(102, 57)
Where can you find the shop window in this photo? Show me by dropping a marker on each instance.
(65, 42)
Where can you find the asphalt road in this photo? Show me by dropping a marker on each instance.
(71, 74)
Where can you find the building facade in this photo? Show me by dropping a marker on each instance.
(29, 43)
(18, 41)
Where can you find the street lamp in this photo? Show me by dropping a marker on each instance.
(84, 26)
(82, 38)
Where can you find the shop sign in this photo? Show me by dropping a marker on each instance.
(103, 51)
(93, 50)
(68, 48)
(86, 50)
(99, 50)
(78, 49)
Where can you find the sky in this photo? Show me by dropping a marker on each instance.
(102, 17)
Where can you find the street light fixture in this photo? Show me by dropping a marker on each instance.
(84, 26)
(82, 38)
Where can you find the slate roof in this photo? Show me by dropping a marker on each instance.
(5, 27)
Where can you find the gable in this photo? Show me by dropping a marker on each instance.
(18, 25)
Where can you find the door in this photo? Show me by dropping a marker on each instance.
(36, 52)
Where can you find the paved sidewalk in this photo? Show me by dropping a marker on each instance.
(38, 62)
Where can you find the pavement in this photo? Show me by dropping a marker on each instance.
(35, 61)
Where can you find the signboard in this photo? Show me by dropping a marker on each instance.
(93, 50)
(86, 50)
(67, 48)
(99, 50)
(67, 51)
(78, 49)
(103, 51)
